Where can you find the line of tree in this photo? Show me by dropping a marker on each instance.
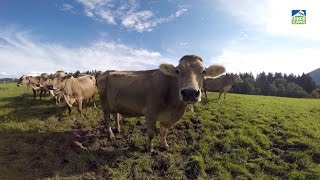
(92, 72)
(277, 84)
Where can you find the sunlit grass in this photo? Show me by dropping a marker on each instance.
(243, 137)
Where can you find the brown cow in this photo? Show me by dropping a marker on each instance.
(52, 80)
(222, 84)
(76, 89)
(159, 95)
(101, 84)
(34, 82)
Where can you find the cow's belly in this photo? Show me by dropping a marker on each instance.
(125, 110)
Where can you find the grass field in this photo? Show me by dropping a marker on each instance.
(245, 137)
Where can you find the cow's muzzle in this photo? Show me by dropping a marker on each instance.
(51, 87)
(19, 85)
(190, 95)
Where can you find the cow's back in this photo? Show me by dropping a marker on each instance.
(87, 85)
(83, 87)
(137, 93)
(221, 83)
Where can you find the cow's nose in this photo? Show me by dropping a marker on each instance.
(190, 93)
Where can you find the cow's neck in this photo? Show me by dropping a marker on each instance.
(33, 81)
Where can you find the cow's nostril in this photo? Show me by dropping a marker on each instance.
(183, 93)
(190, 93)
(197, 94)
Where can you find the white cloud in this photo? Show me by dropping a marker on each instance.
(183, 43)
(139, 21)
(66, 7)
(24, 55)
(294, 61)
(273, 17)
(126, 13)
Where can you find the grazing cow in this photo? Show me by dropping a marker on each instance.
(52, 80)
(76, 89)
(34, 82)
(222, 84)
(159, 95)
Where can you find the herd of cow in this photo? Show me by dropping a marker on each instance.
(159, 95)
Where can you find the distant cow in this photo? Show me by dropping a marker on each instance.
(222, 84)
(34, 82)
(52, 80)
(76, 89)
(159, 95)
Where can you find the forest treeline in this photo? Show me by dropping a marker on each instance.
(277, 84)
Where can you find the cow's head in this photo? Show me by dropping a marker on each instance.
(58, 82)
(24, 80)
(190, 74)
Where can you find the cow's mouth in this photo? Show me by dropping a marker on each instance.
(19, 85)
(190, 95)
(51, 87)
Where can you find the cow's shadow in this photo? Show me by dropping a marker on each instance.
(24, 108)
(39, 155)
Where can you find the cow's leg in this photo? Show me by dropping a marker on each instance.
(56, 99)
(80, 107)
(220, 92)
(151, 131)
(59, 96)
(106, 114)
(108, 124)
(69, 103)
(41, 93)
(118, 117)
(69, 109)
(224, 95)
(205, 94)
(163, 133)
(94, 103)
(34, 94)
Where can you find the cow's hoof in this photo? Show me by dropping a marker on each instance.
(150, 150)
(118, 130)
(165, 148)
(111, 135)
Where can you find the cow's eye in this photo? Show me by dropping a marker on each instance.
(177, 71)
(204, 71)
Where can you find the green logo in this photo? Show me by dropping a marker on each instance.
(298, 16)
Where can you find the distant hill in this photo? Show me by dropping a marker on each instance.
(315, 74)
(8, 80)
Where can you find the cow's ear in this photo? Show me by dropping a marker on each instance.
(168, 69)
(68, 76)
(214, 70)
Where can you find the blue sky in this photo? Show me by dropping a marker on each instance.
(244, 35)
